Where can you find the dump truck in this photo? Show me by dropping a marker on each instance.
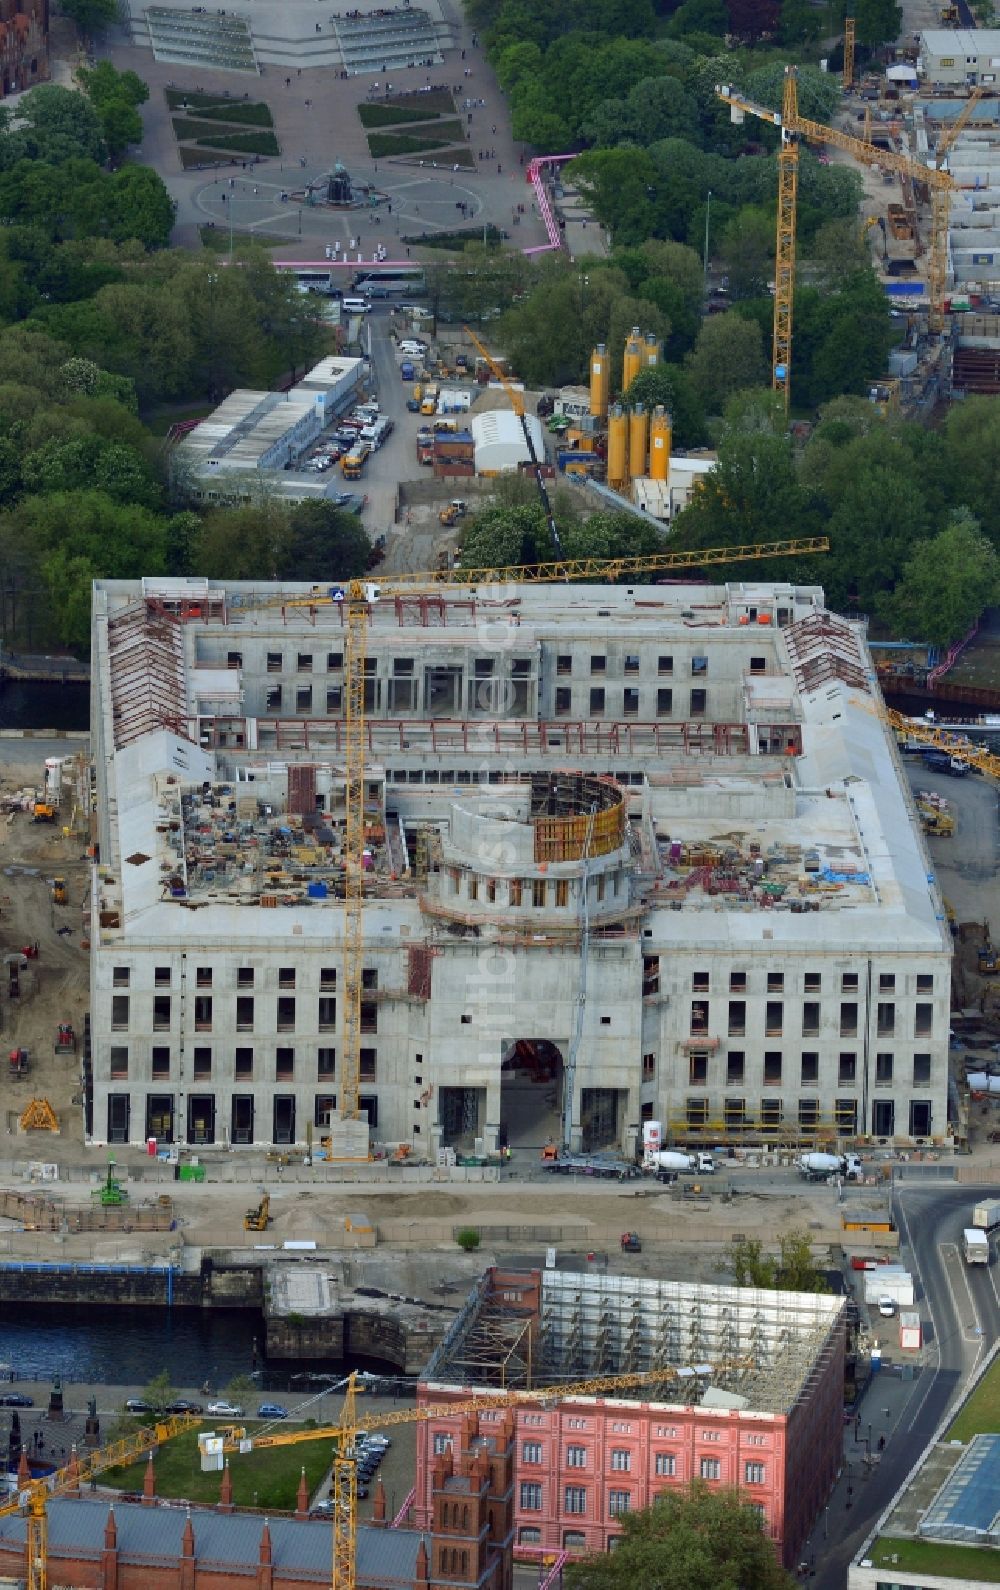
(59, 895)
(65, 1039)
(975, 1246)
(986, 1215)
(43, 812)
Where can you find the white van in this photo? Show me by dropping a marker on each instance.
(413, 350)
(356, 306)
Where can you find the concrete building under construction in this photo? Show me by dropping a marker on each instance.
(632, 853)
(751, 1397)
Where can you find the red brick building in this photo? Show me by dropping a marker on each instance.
(24, 44)
(159, 1546)
(771, 1426)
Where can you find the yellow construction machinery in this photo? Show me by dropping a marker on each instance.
(355, 600)
(848, 74)
(39, 1116)
(794, 129)
(260, 1218)
(59, 895)
(43, 813)
(67, 1481)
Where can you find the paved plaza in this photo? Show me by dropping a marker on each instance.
(316, 123)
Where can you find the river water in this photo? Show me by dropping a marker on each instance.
(127, 1346)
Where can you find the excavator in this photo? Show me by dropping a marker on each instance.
(260, 1218)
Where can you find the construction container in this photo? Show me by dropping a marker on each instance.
(632, 362)
(911, 1335)
(638, 436)
(617, 446)
(652, 352)
(599, 381)
(660, 436)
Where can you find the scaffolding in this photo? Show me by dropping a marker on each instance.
(564, 1325)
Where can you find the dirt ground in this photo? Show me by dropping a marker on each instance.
(55, 986)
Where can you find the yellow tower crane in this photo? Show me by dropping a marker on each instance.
(356, 599)
(345, 1433)
(69, 1478)
(795, 127)
(848, 75)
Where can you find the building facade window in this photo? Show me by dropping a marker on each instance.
(576, 1457)
(710, 1469)
(531, 1496)
(753, 1473)
(621, 1459)
(574, 1499)
(666, 1464)
(531, 1452)
(619, 1502)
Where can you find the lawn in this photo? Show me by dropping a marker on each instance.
(385, 143)
(216, 239)
(937, 1557)
(260, 1479)
(201, 158)
(250, 113)
(248, 143)
(178, 98)
(982, 1411)
(391, 115)
(438, 100)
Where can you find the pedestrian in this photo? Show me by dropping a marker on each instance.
(881, 1443)
(500, 168)
(493, 129)
(288, 82)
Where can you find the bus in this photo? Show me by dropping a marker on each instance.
(390, 282)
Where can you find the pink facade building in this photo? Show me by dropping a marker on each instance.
(761, 1408)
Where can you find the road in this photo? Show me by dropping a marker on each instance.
(961, 1312)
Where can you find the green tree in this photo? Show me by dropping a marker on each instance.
(55, 125)
(972, 437)
(326, 543)
(91, 16)
(672, 386)
(727, 357)
(501, 536)
(877, 21)
(792, 1269)
(690, 1539)
(243, 543)
(946, 584)
(800, 22)
(747, 246)
(159, 1393)
(839, 250)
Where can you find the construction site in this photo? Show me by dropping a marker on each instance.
(751, 1393)
(581, 857)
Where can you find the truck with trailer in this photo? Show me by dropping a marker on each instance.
(986, 1215)
(975, 1246)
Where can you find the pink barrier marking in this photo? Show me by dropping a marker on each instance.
(954, 653)
(534, 176)
(408, 1502)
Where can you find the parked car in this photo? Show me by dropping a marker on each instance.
(272, 1410)
(887, 1306)
(16, 1399)
(136, 1405)
(183, 1406)
(226, 1410)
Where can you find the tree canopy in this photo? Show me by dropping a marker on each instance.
(689, 1539)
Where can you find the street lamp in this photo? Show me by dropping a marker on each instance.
(708, 217)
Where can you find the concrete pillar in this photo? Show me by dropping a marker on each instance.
(149, 1484)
